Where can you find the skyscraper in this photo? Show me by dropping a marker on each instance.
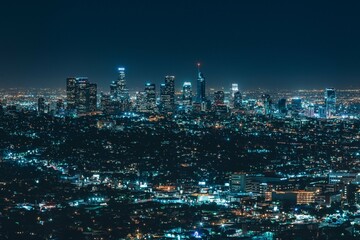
(81, 95)
(219, 97)
(140, 103)
(311, 110)
(167, 94)
(150, 92)
(113, 90)
(187, 94)
(234, 89)
(92, 97)
(164, 97)
(266, 103)
(237, 100)
(219, 103)
(282, 105)
(41, 105)
(296, 104)
(330, 102)
(200, 87)
(119, 93)
(71, 93)
(82, 92)
(105, 103)
(122, 91)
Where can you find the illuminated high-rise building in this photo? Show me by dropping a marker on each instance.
(330, 102)
(200, 87)
(140, 102)
(219, 97)
(219, 105)
(113, 90)
(164, 97)
(187, 94)
(105, 103)
(311, 110)
(41, 105)
(92, 97)
(71, 93)
(282, 105)
(170, 89)
(150, 91)
(167, 94)
(266, 100)
(234, 89)
(296, 104)
(122, 91)
(82, 101)
(237, 102)
(81, 95)
(321, 112)
(119, 92)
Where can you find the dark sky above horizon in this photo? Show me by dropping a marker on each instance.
(258, 44)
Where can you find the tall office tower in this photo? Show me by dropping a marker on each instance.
(81, 95)
(219, 103)
(167, 94)
(266, 100)
(234, 89)
(105, 103)
(71, 93)
(150, 92)
(330, 102)
(92, 97)
(282, 105)
(321, 112)
(113, 90)
(82, 102)
(237, 100)
(311, 110)
(170, 88)
(187, 94)
(140, 102)
(200, 87)
(119, 93)
(123, 92)
(164, 98)
(121, 82)
(219, 97)
(296, 104)
(41, 105)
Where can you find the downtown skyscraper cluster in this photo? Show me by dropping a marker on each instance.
(82, 99)
(81, 95)
(149, 100)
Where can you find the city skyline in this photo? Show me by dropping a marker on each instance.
(182, 119)
(262, 44)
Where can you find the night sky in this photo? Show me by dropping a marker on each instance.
(258, 44)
